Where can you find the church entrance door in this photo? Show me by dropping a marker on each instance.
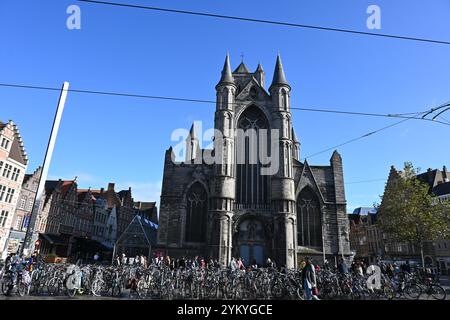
(251, 242)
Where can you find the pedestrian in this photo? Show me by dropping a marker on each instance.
(359, 270)
(233, 264)
(342, 266)
(309, 280)
(240, 264)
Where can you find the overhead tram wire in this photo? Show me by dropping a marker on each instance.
(363, 136)
(180, 99)
(263, 21)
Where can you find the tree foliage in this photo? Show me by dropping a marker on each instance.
(408, 212)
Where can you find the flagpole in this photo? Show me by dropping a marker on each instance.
(31, 235)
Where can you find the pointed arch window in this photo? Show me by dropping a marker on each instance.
(284, 99)
(251, 185)
(309, 222)
(196, 212)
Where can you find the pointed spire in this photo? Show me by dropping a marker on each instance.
(192, 132)
(278, 75)
(259, 68)
(294, 136)
(227, 76)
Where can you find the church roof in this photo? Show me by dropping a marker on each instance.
(242, 68)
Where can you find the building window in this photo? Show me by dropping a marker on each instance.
(2, 192)
(18, 223)
(15, 174)
(7, 170)
(5, 143)
(3, 218)
(309, 222)
(196, 213)
(22, 203)
(9, 195)
(252, 187)
(30, 204)
(1, 165)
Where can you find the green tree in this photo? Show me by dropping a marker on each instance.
(410, 213)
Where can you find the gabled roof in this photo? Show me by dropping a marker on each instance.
(300, 185)
(242, 68)
(17, 151)
(441, 189)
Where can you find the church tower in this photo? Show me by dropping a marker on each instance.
(223, 180)
(282, 186)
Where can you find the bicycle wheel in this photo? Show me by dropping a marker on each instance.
(53, 286)
(23, 288)
(437, 292)
(97, 287)
(116, 290)
(389, 292)
(141, 289)
(71, 292)
(412, 292)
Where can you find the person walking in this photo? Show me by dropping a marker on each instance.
(309, 280)
(342, 266)
(233, 264)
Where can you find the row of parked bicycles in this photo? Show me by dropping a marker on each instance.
(160, 282)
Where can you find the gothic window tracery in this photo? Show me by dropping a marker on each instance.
(196, 213)
(309, 222)
(251, 186)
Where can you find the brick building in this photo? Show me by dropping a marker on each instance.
(231, 209)
(13, 165)
(77, 223)
(24, 209)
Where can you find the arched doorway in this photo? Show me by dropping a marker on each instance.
(251, 241)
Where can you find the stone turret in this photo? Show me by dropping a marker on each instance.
(283, 188)
(223, 180)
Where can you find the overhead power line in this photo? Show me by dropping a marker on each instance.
(366, 181)
(263, 21)
(181, 99)
(364, 136)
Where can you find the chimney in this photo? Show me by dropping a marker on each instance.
(445, 174)
(102, 190)
(111, 186)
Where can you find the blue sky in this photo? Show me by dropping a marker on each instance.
(104, 138)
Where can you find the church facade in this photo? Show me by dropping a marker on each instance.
(232, 208)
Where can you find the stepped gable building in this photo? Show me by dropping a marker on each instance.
(13, 164)
(230, 209)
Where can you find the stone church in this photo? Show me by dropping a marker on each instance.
(229, 208)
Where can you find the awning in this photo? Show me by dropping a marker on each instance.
(53, 238)
(92, 244)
